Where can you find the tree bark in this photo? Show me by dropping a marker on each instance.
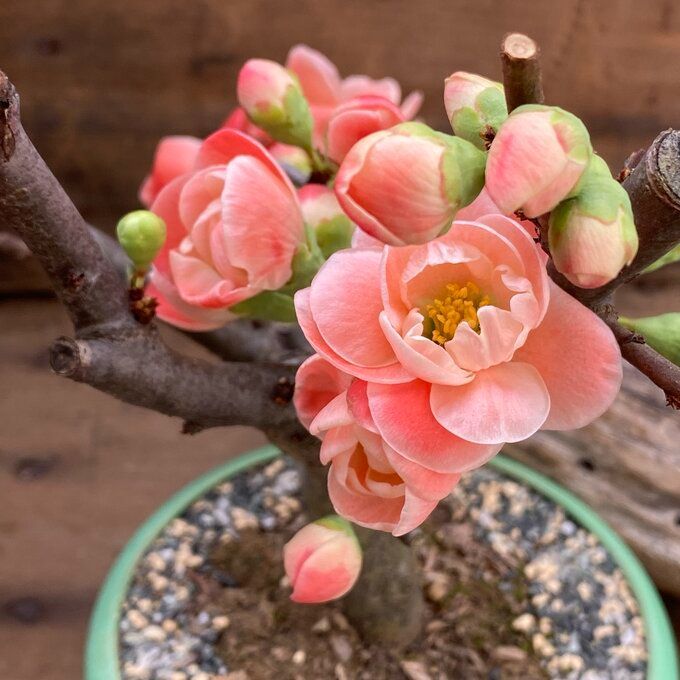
(521, 71)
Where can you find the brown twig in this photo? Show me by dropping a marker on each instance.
(521, 71)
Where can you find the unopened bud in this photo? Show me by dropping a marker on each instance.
(141, 233)
(273, 100)
(474, 104)
(592, 236)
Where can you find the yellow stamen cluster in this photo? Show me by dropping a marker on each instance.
(457, 304)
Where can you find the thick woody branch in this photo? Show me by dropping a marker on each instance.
(112, 352)
(521, 71)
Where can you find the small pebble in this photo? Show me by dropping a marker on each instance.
(220, 622)
(524, 623)
(509, 653)
(323, 625)
(299, 657)
(341, 647)
(415, 670)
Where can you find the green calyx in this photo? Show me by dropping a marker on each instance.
(599, 196)
(337, 523)
(660, 332)
(490, 110)
(463, 170)
(141, 234)
(290, 123)
(334, 234)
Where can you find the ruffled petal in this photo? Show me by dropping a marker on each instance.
(504, 403)
(403, 417)
(349, 324)
(578, 359)
(394, 373)
(318, 76)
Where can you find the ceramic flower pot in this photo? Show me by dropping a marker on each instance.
(102, 651)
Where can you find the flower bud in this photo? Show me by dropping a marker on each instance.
(473, 103)
(294, 160)
(323, 560)
(660, 332)
(536, 159)
(322, 212)
(592, 236)
(404, 185)
(273, 100)
(141, 234)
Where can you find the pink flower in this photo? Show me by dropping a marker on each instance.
(174, 156)
(323, 560)
(322, 212)
(370, 482)
(233, 226)
(464, 342)
(356, 119)
(325, 90)
(536, 159)
(404, 185)
(238, 120)
(292, 158)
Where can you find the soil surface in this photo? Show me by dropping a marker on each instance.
(513, 589)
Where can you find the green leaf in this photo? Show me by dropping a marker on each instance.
(660, 332)
(268, 305)
(670, 257)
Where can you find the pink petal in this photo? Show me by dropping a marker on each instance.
(425, 483)
(495, 343)
(504, 403)
(357, 402)
(362, 86)
(578, 359)
(174, 156)
(262, 220)
(199, 284)
(394, 373)
(316, 383)
(333, 415)
(226, 144)
(355, 120)
(350, 325)
(173, 310)
(411, 104)
(423, 358)
(404, 418)
(339, 440)
(318, 76)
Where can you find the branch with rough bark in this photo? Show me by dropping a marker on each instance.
(653, 184)
(111, 351)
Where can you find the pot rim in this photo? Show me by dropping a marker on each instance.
(101, 650)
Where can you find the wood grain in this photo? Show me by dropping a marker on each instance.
(101, 83)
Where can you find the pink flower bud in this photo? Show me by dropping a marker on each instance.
(273, 100)
(536, 159)
(473, 103)
(592, 236)
(323, 560)
(404, 185)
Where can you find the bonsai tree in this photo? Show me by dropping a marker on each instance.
(453, 291)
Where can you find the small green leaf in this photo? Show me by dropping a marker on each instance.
(670, 257)
(268, 305)
(660, 332)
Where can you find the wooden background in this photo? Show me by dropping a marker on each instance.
(100, 83)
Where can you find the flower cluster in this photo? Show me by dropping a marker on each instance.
(410, 260)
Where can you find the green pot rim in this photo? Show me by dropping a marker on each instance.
(101, 651)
